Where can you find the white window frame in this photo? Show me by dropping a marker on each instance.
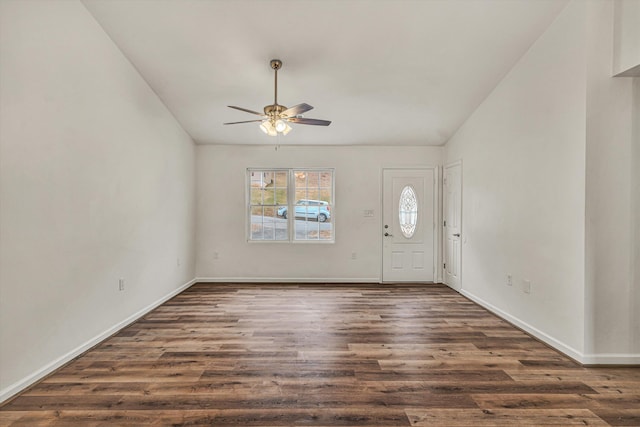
(291, 202)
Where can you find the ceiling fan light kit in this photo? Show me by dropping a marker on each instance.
(268, 128)
(276, 117)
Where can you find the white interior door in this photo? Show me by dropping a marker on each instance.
(408, 225)
(452, 224)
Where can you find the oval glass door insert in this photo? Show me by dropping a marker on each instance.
(408, 211)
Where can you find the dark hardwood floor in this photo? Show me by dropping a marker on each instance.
(325, 355)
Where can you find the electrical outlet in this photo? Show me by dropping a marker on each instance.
(215, 255)
(178, 262)
(121, 284)
(354, 255)
(526, 286)
(368, 213)
(509, 280)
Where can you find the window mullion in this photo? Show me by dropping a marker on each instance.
(290, 206)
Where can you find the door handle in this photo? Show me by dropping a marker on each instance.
(456, 235)
(388, 235)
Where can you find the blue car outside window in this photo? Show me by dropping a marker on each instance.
(314, 209)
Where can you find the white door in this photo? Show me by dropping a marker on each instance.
(408, 216)
(452, 224)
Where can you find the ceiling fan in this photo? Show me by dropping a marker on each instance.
(276, 118)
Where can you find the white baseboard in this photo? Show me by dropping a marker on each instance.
(548, 339)
(584, 359)
(29, 380)
(288, 279)
(610, 359)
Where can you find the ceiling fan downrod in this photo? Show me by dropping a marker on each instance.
(276, 64)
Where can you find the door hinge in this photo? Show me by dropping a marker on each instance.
(445, 222)
(445, 266)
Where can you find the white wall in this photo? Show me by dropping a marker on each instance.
(609, 284)
(221, 212)
(626, 41)
(635, 208)
(523, 153)
(96, 183)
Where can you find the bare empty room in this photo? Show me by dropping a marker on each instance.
(328, 213)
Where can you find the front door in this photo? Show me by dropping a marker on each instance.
(408, 216)
(452, 224)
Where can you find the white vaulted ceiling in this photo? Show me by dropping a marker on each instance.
(384, 71)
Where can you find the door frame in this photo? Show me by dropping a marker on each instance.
(444, 240)
(437, 218)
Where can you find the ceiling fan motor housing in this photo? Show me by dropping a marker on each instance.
(274, 110)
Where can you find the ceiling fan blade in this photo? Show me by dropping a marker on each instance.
(296, 109)
(245, 110)
(305, 121)
(246, 121)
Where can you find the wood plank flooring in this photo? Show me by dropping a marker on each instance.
(325, 355)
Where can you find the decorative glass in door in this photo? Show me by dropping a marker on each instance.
(408, 211)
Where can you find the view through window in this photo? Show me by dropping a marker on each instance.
(291, 205)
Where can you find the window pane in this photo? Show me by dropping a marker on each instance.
(281, 178)
(269, 211)
(256, 195)
(306, 230)
(408, 211)
(300, 178)
(325, 195)
(268, 178)
(326, 179)
(301, 194)
(313, 193)
(280, 196)
(313, 179)
(326, 231)
(268, 225)
(256, 223)
(281, 229)
(268, 196)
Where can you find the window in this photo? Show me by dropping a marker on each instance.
(408, 211)
(291, 205)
